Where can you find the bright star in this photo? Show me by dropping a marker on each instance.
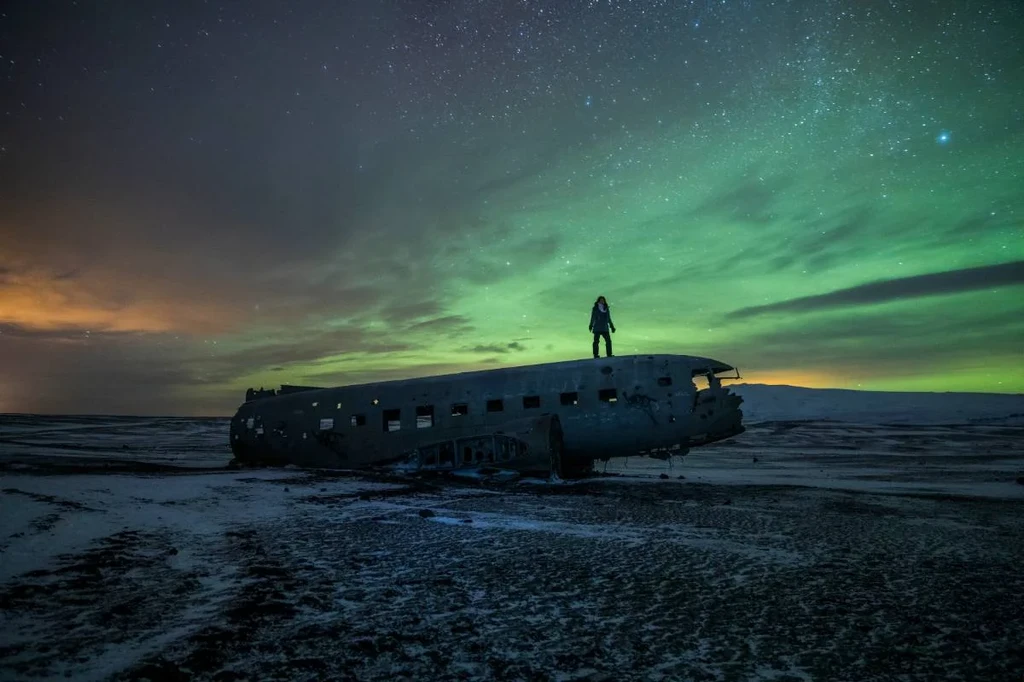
(943, 137)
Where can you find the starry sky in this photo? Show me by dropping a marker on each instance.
(199, 197)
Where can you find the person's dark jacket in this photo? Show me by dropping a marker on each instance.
(601, 322)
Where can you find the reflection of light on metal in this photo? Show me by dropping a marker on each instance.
(316, 404)
(376, 402)
(338, 407)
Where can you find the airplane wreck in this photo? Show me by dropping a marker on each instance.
(553, 418)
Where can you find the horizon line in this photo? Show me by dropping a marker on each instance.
(228, 416)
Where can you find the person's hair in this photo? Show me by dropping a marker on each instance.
(601, 298)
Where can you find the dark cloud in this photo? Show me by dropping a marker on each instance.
(817, 243)
(411, 310)
(870, 343)
(122, 372)
(449, 325)
(499, 264)
(753, 198)
(952, 282)
(310, 350)
(514, 346)
(17, 331)
(491, 348)
(820, 242)
(828, 240)
(115, 374)
(344, 376)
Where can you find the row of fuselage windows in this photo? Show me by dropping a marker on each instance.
(391, 419)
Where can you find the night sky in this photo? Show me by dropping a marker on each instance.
(200, 197)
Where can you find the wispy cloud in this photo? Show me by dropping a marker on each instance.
(952, 282)
(496, 348)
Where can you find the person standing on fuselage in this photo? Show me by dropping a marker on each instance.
(600, 323)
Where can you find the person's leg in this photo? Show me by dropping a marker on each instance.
(597, 336)
(607, 344)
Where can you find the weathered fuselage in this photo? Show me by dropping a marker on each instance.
(609, 407)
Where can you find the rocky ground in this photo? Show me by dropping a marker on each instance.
(294, 575)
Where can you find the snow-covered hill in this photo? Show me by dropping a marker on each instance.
(792, 403)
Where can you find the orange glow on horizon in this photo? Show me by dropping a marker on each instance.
(794, 377)
(42, 302)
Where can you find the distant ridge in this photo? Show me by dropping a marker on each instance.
(764, 402)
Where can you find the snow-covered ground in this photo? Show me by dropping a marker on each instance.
(965, 460)
(857, 548)
(169, 441)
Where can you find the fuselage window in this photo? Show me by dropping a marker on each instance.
(571, 398)
(459, 409)
(358, 420)
(607, 395)
(392, 420)
(424, 416)
(531, 401)
(495, 405)
(664, 381)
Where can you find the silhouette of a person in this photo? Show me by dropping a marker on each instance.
(600, 323)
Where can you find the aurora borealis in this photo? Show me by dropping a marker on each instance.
(196, 198)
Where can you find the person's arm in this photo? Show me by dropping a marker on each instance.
(611, 325)
(593, 311)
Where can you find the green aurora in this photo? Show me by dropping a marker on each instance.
(819, 196)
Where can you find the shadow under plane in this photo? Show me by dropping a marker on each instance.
(557, 417)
